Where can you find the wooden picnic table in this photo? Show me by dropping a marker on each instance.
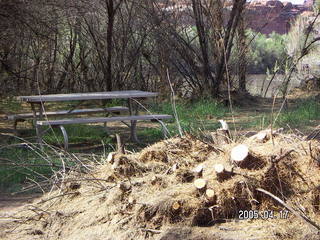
(37, 106)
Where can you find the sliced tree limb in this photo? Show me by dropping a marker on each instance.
(176, 206)
(110, 158)
(261, 136)
(221, 172)
(124, 186)
(239, 154)
(200, 183)
(210, 194)
(221, 135)
(197, 171)
(131, 200)
(265, 135)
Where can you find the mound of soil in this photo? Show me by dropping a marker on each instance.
(152, 194)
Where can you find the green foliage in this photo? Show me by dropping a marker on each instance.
(265, 51)
(307, 110)
(10, 104)
(20, 164)
(193, 116)
(78, 133)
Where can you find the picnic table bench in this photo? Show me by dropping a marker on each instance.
(21, 117)
(40, 117)
(61, 122)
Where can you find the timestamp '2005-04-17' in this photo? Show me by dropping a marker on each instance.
(266, 214)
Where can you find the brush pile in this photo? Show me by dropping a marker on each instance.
(173, 187)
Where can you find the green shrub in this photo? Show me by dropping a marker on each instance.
(265, 51)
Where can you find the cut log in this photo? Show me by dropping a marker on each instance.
(242, 157)
(222, 135)
(200, 183)
(265, 135)
(155, 180)
(261, 136)
(210, 194)
(110, 158)
(224, 125)
(221, 172)
(239, 154)
(197, 171)
(131, 200)
(176, 206)
(124, 186)
(175, 167)
(219, 168)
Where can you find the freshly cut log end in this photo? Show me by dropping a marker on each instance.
(200, 183)
(176, 206)
(110, 158)
(219, 168)
(239, 153)
(175, 167)
(210, 194)
(221, 172)
(261, 136)
(155, 180)
(131, 200)
(124, 187)
(224, 125)
(198, 170)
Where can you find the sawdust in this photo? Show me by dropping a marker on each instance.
(150, 195)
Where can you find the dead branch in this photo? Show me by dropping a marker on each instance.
(305, 218)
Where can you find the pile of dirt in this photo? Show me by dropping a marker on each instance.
(185, 188)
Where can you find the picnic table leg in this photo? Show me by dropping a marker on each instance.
(65, 137)
(133, 126)
(35, 118)
(15, 131)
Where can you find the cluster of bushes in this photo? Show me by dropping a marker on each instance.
(265, 51)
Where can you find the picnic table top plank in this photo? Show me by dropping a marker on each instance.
(103, 119)
(88, 96)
